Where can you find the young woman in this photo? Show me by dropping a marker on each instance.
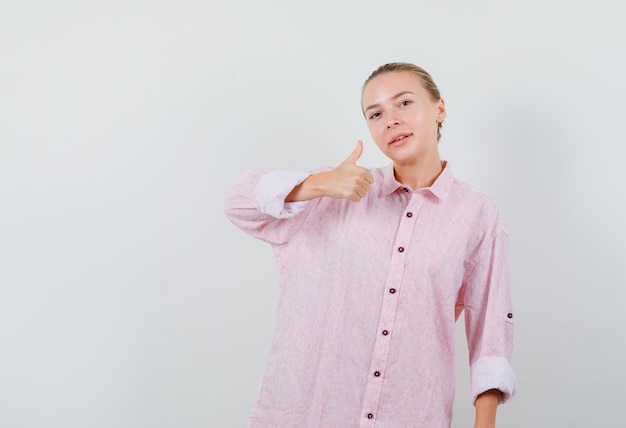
(375, 267)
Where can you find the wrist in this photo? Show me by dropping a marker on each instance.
(312, 187)
(486, 406)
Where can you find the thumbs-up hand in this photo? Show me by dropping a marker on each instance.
(348, 180)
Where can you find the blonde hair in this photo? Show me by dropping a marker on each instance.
(427, 81)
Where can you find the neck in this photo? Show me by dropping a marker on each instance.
(418, 175)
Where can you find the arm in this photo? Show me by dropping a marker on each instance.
(256, 205)
(268, 206)
(486, 301)
(486, 406)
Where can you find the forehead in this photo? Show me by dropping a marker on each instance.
(385, 86)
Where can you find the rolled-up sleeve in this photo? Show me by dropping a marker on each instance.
(256, 204)
(273, 188)
(489, 318)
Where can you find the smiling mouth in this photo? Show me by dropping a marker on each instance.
(400, 138)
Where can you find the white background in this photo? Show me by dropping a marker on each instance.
(126, 297)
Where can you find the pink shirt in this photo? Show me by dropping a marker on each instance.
(369, 295)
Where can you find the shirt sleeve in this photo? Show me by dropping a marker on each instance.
(256, 204)
(273, 188)
(489, 318)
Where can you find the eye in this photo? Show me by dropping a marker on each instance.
(405, 103)
(374, 115)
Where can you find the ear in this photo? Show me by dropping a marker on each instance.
(441, 110)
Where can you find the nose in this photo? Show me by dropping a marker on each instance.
(392, 122)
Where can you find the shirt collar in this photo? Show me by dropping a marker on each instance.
(440, 188)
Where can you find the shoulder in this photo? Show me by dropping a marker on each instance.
(472, 194)
(377, 172)
(478, 205)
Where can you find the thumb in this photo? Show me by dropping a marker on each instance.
(356, 154)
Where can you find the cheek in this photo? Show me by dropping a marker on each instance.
(376, 130)
(423, 121)
(377, 134)
(372, 130)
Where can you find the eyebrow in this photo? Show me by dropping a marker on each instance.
(395, 97)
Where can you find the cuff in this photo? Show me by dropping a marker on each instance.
(493, 373)
(273, 188)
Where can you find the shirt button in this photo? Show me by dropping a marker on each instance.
(370, 416)
(392, 290)
(400, 249)
(376, 373)
(406, 189)
(510, 315)
(409, 214)
(385, 332)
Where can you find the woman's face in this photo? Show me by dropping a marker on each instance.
(402, 117)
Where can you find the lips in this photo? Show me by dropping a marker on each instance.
(399, 138)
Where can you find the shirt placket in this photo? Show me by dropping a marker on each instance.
(387, 318)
